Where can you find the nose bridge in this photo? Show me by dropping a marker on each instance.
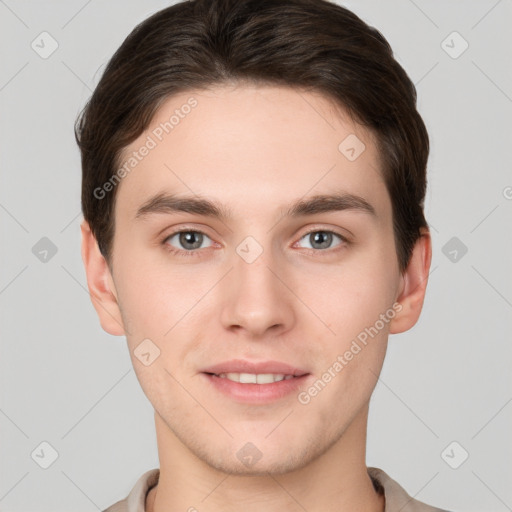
(258, 300)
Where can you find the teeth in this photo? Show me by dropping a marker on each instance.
(252, 378)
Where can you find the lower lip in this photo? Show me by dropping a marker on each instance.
(256, 393)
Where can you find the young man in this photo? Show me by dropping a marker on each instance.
(253, 185)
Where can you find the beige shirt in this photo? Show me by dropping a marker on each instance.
(397, 500)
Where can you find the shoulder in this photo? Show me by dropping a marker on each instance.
(397, 498)
(136, 499)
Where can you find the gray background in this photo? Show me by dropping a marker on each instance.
(67, 383)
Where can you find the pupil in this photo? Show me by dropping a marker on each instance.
(322, 238)
(188, 238)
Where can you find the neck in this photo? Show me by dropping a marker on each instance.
(337, 480)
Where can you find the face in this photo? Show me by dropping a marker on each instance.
(270, 279)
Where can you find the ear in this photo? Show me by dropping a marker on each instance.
(100, 283)
(413, 285)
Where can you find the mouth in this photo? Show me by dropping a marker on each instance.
(247, 369)
(255, 383)
(253, 378)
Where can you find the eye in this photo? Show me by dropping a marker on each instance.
(322, 239)
(188, 240)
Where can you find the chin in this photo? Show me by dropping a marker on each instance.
(258, 459)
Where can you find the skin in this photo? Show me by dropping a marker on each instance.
(256, 149)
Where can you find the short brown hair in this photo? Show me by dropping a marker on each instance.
(309, 44)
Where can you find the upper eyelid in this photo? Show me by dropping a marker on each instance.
(184, 229)
(315, 230)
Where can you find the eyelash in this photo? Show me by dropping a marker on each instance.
(195, 252)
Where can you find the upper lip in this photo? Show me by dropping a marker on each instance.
(243, 366)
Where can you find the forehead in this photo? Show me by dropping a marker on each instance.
(253, 147)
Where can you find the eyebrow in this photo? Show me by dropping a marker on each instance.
(321, 203)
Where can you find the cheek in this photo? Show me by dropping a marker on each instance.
(155, 297)
(349, 297)
(350, 360)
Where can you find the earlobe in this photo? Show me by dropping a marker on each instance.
(413, 285)
(100, 283)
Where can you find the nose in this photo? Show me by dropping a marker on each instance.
(258, 299)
